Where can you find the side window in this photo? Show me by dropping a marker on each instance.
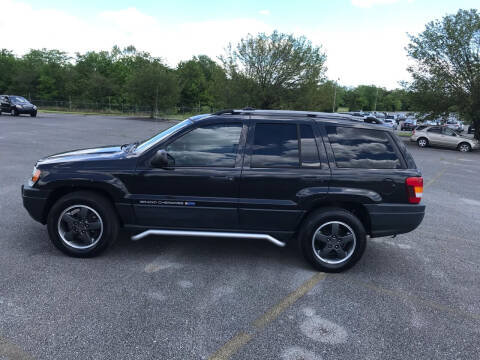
(308, 147)
(435, 130)
(275, 145)
(362, 148)
(211, 145)
(448, 131)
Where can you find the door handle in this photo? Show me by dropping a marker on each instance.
(222, 178)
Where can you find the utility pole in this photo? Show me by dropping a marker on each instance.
(334, 94)
(376, 96)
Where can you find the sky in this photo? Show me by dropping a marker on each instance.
(364, 39)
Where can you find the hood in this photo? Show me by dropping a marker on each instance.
(100, 153)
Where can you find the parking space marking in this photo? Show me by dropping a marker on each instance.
(242, 338)
(231, 347)
(435, 178)
(404, 296)
(12, 352)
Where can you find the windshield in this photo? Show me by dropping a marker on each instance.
(18, 100)
(147, 144)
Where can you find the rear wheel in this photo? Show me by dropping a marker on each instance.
(332, 239)
(464, 147)
(83, 224)
(422, 142)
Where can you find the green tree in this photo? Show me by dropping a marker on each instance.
(446, 73)
(275, 64)
(154, 85)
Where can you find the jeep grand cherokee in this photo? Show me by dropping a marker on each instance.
(322, 181)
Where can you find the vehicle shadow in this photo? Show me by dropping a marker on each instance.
(208, 250)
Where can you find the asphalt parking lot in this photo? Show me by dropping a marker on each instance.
(413, 297)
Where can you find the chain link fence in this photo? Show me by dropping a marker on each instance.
(121, 109)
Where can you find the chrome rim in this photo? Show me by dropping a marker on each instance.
(80, 227)
(422, 143)
(464, 148)
(13, 112)
(334, 242)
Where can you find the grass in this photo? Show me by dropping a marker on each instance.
(404, 133)
(178, 117)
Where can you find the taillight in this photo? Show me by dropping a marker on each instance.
(414, 189)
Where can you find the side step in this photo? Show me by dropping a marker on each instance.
(209, 234)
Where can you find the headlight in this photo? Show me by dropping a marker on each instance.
(35, 176)
(19, 106)
(34, 107)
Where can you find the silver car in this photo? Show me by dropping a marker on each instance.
(445, 137)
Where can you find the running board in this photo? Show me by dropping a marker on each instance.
(209, 234)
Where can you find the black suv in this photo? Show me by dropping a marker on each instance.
(16, 105)
(325, 181)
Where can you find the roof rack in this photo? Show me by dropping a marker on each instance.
(290, 113)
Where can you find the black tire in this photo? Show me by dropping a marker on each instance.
(14, 112)
(422, 142)
(319, 220)
(100, 206)
(33, 114)
(464, 147)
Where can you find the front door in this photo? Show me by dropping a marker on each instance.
(200, 187)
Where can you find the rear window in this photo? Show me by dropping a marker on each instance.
(362, 148)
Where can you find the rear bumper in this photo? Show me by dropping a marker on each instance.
(35, 201)
(393, 219)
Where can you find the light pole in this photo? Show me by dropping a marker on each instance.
(376, 96)
(334, 94)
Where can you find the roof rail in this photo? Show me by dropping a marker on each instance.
(226, 111)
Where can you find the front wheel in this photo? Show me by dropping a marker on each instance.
(82, 224)
(14, 112)
(422, 142)
(332, 239)
(464, 147)
(33, 114)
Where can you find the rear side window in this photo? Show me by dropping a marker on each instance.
(284, 145)
(275, 145)
(362, 148)
(435, 130)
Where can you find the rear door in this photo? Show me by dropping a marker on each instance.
(282, 162)
(435, 136)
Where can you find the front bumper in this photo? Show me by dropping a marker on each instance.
(393, 219)
(35, 201)
(26, 111)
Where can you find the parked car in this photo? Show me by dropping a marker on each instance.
(455, 125)
(443, 136)
(471, 129)
(390, 123)
(409, 124)
(16, 105)
(279, 176)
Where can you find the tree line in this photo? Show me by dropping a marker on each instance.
(265, 71)
(269, 71)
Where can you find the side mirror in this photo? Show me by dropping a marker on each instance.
(161, 159)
